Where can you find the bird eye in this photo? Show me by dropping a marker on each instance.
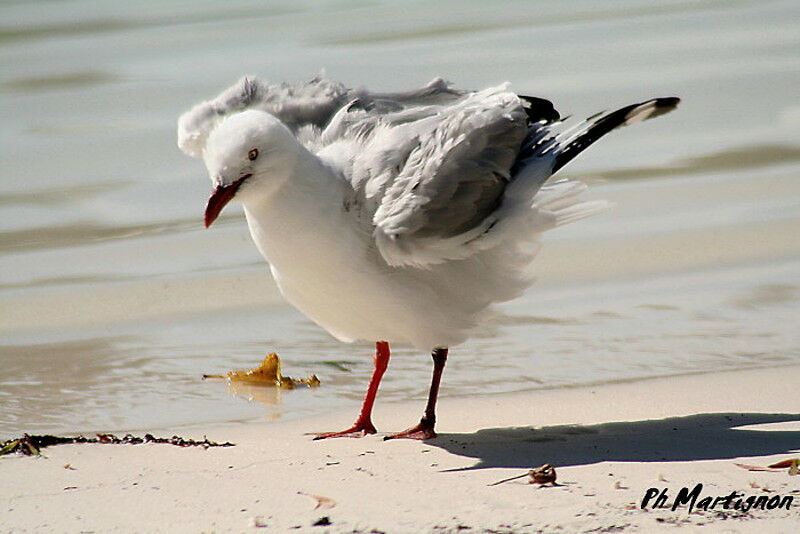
(253, 154)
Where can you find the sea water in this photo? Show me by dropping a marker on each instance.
(114, 300)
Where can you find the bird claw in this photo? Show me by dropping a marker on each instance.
(358, 430)
(422, 431)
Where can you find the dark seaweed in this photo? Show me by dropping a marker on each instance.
(30, 445)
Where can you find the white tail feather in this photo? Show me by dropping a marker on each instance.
(581, 210)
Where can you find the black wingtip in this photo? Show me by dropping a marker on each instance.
(610, 121)
(664, 105)
(668, 102)
(643, 111)
(539, 109)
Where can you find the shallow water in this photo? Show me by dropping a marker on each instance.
(115, 300)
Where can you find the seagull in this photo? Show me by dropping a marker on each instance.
(395, 217)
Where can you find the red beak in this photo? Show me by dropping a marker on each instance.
(220, 196)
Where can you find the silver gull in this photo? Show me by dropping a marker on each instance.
(395, 217)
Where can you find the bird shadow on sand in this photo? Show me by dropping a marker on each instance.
(710, 436)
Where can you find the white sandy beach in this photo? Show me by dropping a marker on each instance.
(609, 444)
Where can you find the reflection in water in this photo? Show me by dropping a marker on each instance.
(263, 393)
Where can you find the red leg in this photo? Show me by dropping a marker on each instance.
(424, 429)
(363, 424)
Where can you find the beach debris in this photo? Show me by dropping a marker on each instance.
(31, 445)
(258, 522)
(756, 467)
(23, 445)
(268, 373)
(324, 503)
(323, 521)
(544, 474)
(792, 463)
(509, 479)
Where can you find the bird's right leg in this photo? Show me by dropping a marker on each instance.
(424, 429)
(363, 424)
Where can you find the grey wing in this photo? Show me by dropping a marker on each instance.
(365, 111)
(436, 92)
(301, 105)
(434, 182)
(306, 107)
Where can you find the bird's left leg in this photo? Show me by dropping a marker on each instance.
(424, 429)
(363, 424)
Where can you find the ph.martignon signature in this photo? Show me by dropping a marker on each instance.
(655, 498)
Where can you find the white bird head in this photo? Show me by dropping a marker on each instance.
(248, 155)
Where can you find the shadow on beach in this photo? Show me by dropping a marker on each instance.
(710, 436)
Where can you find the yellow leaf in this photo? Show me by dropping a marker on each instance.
(269, 372)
